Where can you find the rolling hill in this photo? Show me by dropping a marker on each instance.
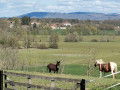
(74, 15)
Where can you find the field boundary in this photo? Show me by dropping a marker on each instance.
(78, 82)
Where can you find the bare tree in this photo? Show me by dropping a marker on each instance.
(92, 57)
(53, 41)
(72, 37)
(63, 63)
(27, 39)
(9, 58)
(9, 51)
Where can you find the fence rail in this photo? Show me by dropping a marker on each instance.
(79, 83)
(42, 77)
(32, 86)
(108, 76)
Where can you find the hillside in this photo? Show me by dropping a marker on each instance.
(74, 15)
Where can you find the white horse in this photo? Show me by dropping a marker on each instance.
(106, 67)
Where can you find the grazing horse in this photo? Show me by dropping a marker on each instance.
(106, 67)
(54, 67)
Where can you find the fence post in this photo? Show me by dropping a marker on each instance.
(5, 76)
(29, 82)
(1, 79)
(52, 84)
(82, 85)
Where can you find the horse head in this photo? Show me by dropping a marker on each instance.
(95, 63)
(99, 61)
(58, 64)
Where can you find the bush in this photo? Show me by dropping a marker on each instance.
(94, 40)
(13, 42)
(72, 37)
(42, 46)
(27, 43)
(9, 41)
(2, 42)
(27, 40)
(53, 41)
(104, 39)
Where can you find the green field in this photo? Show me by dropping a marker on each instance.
(74, 57)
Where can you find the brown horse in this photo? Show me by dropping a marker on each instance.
(54, 67)
(106, 67)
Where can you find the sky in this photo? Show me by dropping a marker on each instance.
(10, 8)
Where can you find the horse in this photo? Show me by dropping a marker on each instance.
(106, 67)
(54, 67)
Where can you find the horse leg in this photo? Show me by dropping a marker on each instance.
(49, 70)
(104, 73)
(112, 73)
(100, 74)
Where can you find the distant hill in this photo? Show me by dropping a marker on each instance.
(74, 15)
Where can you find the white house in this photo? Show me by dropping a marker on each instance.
(67, 24)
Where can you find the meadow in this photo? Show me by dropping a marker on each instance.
(75, 58)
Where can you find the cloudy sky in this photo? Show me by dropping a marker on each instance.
(19, 7)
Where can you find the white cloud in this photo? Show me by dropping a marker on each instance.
(98, 2)
(104, 6)
(18, 7)
(2, 1)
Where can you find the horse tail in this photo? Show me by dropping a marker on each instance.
(115, 70)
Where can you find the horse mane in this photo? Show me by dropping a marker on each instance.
(100, 61)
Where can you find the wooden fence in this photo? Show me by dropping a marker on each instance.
(4, 81)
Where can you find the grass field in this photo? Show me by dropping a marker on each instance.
(74, 57)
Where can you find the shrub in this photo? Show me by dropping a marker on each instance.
(94, 40)
(27, 43)
(42, 46)
(104, 39)
(9, 41)
(27, 39)
(2, 42)
(53, 41)
(13, 42)
(72, 37)
(9, 58)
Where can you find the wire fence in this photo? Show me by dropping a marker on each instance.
(105, 77)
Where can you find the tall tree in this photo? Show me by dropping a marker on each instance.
(25, 20)
(16, 20)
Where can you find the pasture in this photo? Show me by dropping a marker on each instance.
(74, 57)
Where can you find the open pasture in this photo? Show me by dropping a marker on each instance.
(73, 55)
